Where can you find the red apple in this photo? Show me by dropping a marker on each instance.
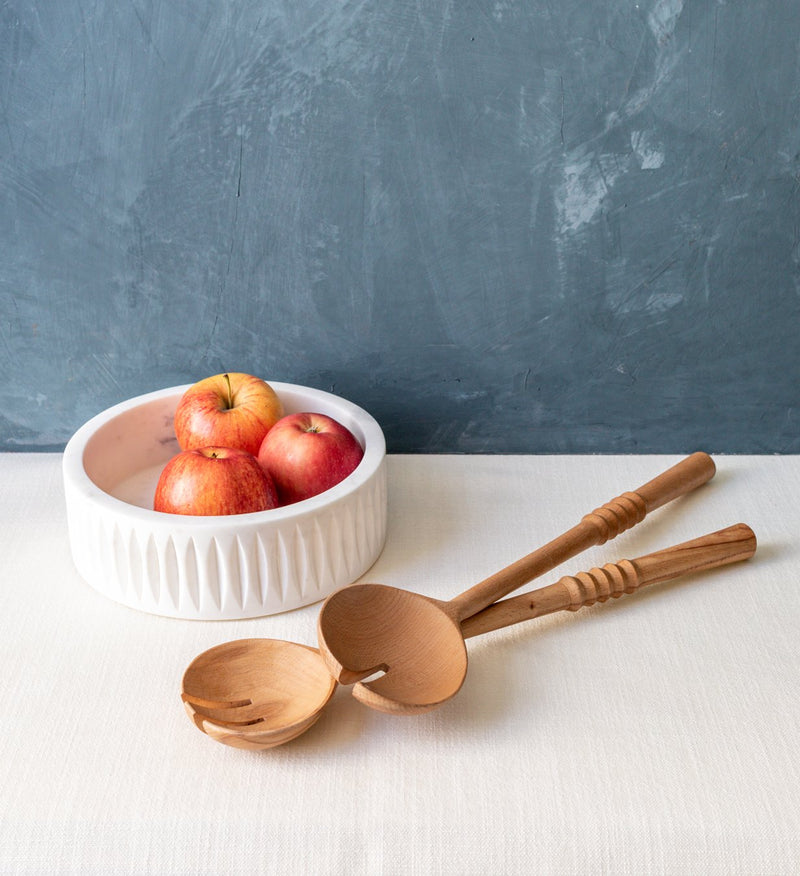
(214, 480)
(227, 410)
(308, 453)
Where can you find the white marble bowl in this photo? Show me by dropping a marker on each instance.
(215, 568)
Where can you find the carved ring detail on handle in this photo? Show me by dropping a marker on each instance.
(617, 515)
(598, 584)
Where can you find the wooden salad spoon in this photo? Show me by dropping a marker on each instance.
(367, 628)
(437, 676)
(260, 693)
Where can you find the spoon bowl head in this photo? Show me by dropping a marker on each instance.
(414, 640)
(256, 693)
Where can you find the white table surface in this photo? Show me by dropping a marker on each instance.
(657, 733)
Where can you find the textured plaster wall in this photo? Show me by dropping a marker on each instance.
(500, 226)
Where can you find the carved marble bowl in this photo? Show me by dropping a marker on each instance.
(215, 568)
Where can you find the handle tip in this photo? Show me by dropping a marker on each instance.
(704, 461)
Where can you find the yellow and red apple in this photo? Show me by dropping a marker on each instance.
(227, 410)
(308, 453)
(214, 480)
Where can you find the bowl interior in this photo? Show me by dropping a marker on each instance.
(126, 451)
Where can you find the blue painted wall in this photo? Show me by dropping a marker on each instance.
(501, 226)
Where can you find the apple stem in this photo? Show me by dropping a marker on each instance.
(230, 393)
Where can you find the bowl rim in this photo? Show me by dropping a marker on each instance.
(76, 477)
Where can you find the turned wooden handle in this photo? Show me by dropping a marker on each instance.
(597, 527)
(612, 580)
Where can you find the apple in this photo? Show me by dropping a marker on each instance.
(308, 453)
(214, 480)
(227, 410)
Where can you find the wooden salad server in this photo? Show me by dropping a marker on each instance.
(260, 693)
(366, 628)
(434, 675)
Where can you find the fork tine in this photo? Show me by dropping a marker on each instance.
(226, 722)
(214, 704)
(238, 715)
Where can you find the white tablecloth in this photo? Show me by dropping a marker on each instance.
(654, 734)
